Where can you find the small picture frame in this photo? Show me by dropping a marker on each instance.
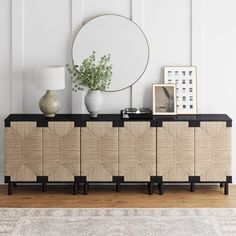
(164, 99)
(185, 79)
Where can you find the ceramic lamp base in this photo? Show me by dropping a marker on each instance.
(49, 104)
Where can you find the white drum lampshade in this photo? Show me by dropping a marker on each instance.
(50, 78)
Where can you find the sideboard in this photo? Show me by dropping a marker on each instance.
(77, 149)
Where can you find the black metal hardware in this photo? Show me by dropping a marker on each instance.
(191, 123)
(161, 188)
(42, 179)
(229, 179)
(192, 187)
(159, 179)
(10, 188)
(118, 180)
(85, 188)
(226, 189)
(7, 179)
(44, 187)
(75, 188)
(150, 188)
(192, 180)
(80, 179)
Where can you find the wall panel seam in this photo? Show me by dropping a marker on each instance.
(17, 55)
(77, 21)
(136, 16)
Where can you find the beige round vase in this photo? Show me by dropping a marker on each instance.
(49, 104)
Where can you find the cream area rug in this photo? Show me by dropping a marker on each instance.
(117, 222)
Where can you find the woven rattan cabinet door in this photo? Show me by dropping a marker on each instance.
(23, 151)
(99, 151)
(175, 151)
(137, 151)
(61, 151)
(213, 151)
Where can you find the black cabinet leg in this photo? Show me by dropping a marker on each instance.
(118, 187)
(226, 189)
(192, 187)
(75, 188)
(85, 188)
(44, 187)
(221, 185)
(10, 188)
(150, 188)
(161, 188)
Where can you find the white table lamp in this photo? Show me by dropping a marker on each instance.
(50, 78)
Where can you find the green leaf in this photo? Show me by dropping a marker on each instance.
(91, 74)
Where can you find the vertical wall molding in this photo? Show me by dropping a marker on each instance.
(77, 14)
(196, 37)
(137, 12)
(196, 31)
(137, 16)
(17, 55)
(77, 21)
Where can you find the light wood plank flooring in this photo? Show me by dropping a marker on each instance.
(130, 196)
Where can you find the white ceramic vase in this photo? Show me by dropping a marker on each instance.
(93, 102)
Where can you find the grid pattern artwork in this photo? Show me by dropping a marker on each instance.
(185, 79)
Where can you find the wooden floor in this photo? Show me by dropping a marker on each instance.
(130, 196)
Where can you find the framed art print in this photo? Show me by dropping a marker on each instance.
(185, 79)
(164, 99)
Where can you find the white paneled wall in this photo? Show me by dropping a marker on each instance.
(167, 26)
(183, 32)
(218, 77)
(5, 73)
(47, 33)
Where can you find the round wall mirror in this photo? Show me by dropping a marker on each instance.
(120, 37)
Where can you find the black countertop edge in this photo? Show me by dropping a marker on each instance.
(105, 117)
(81, 119)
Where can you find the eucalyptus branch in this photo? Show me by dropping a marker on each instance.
(91, 75)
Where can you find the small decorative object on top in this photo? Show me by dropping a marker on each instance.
(164, 99)
(185, 79)
(136, 113)
(96, 77)
(50, 78)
